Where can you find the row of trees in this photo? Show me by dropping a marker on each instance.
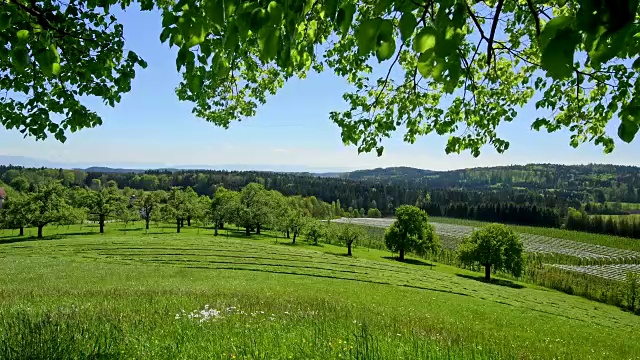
(623, 225)
(500, 212)
(252, 208)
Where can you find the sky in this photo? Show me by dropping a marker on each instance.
(150, 128)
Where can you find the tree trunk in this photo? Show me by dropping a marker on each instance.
(101, 224)
(288, 237)
(221, 225)
(215, 230)
(295, 234)
(146, 223)
(40, 231)
(181, 222)
(401, 255)
(349, 249)
(258, 229)
(178, 225)
(247, 231)
(21, 231)
(487, 273)
(189, 221)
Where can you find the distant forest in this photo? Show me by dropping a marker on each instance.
(537, 194)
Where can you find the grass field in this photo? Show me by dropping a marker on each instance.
(127, 294)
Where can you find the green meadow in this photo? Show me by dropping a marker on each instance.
(161, 295)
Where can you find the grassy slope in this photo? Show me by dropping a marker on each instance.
(589, 238)
(130, 286)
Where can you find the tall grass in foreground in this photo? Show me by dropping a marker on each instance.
(321, 332)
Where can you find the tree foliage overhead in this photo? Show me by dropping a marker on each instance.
(451, 67)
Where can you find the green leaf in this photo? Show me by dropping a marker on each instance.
(5, 20)
(627, 130)
(425, 40)
(195, 83)
(345, 17)
(425, 65)
(330, 9)
(215, 10)
(386, 50)
(168, 19)
(636, 64)
(268, 41)
(275, 12)
(22, 35)
(382, 6)
(558, 42)
(407, 25)
(259, 18)
(20, 57)
(367, 35)
(55, 69)
(164, 35)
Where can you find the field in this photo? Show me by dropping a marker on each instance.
(128, 294)
(452, 234)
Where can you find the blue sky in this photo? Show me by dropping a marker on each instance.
(151, 128)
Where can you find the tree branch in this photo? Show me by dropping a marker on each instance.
(535, 16)
(496, 17)
(386, 79)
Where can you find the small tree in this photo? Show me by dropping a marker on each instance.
(48, 204)
(411, 232)
(314, 231)
(102, 203)
(148, 203)
(15, 213)
(349, 235)
(224, 207)
(374, 213)
(177, 207)
(493, 246)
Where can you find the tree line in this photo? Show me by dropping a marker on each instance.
(501, 212)
(627, 226)
(253, 207)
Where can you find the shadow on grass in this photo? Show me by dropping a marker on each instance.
(17, 238)
(410, 261)
(494, 281)
(343, 254)
(131, 229)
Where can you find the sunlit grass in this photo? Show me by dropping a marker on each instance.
(117, 295)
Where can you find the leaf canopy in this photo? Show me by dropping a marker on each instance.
(456, 68)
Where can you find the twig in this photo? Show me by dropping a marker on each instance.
(386, 79)
(496, 17)
(535, 16)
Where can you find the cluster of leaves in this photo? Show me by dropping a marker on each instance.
(52, 54)
(445, 84)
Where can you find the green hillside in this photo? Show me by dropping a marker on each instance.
(122, 295)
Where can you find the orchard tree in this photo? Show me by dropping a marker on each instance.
(48, 204)
(15, 212)
(102, 203)
(411, 232)
(455, 68)
(177, 207)
(224, 206)
(255, 207)
(192, 205)
(293, 216)
(493, 246)
(349, 234)
(148, 203)
(315, 230)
